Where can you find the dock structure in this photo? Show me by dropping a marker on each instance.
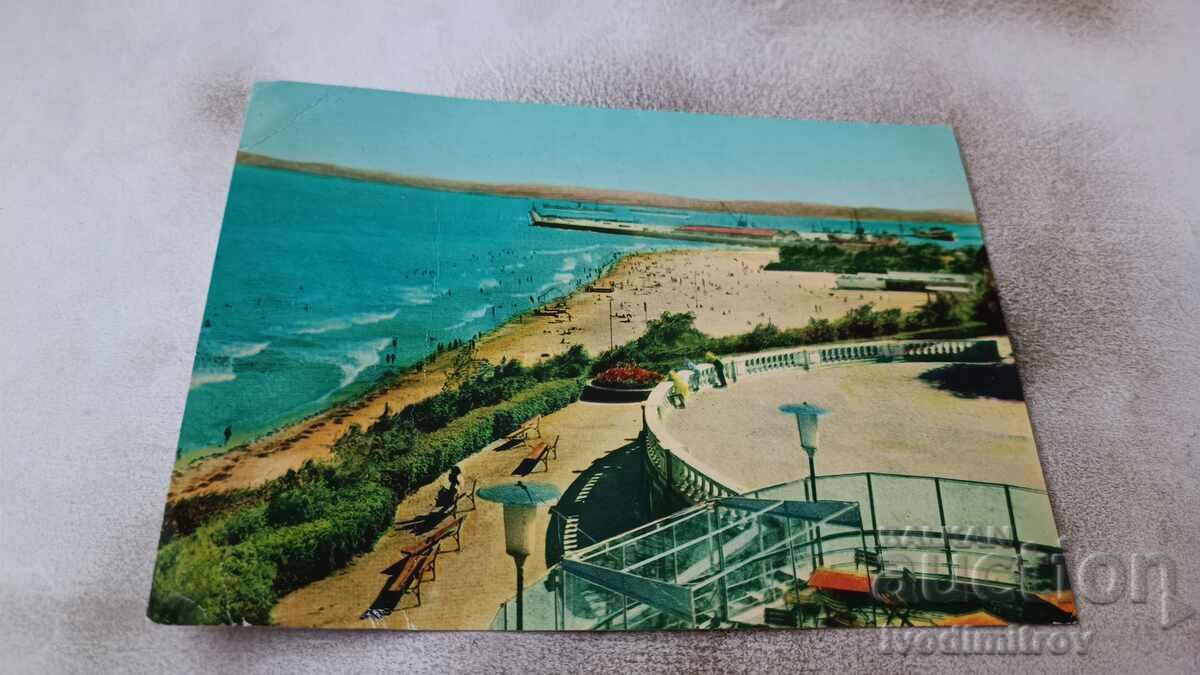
(748, 236)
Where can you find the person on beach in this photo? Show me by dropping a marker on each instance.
(228, 433)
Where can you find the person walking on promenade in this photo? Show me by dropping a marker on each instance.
(718, 366)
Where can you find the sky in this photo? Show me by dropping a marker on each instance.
(683, 154)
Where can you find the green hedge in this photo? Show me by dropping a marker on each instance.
(235, 567)
(186, 515)
(436, 452)
(234, 570)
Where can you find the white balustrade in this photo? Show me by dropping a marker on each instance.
(690, 477)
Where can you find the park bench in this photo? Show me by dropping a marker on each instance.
(409, 577)
(431, 544)
(540, 452)
(527, 428)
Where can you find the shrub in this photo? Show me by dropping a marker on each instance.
(186, 515)
(572, 363)
(241, 526)
(197, 581)
(300, 505)
(830, 257)
(235, 569)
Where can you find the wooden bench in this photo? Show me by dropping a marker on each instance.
(526, 430)
(540, 452)
(451, 528)
(410, 575)
(430, 546)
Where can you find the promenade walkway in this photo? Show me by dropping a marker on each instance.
(472, 584)
(882, 418)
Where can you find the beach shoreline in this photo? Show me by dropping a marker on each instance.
(727, 289)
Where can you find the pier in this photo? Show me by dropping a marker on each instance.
(760, 237)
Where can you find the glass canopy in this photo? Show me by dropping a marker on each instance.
(710, 566)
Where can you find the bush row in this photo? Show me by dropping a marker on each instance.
(312, 521)
(831, 257)
(431, 454)
(235, 569)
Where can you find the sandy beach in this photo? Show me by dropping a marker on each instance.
(727, 290)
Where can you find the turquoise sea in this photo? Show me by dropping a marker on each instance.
(318, 280)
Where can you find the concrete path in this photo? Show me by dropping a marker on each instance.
(882, 419)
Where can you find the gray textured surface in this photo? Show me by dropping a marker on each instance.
(118, 126)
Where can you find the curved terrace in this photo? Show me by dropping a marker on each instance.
(879, 420)
(778, 555)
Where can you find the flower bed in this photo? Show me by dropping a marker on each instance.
(623, 384)
(627, 377)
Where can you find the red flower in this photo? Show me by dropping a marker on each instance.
(628, 377)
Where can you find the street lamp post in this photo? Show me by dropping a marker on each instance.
(808, 422)
(520, 501)
(610, 324)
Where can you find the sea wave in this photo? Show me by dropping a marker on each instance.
(201, 378)
(324, 327)
(241, 350)
(361, 358)
(476, 314)
(370, 318)
(468, 317)
(569, 264)
(488, 284)
(417, 295)
(513, 266)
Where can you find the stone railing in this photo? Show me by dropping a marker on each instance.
(807, 358)
(679, 470)
(690, 478)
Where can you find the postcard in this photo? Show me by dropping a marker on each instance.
(474, 365)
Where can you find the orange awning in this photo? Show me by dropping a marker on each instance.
(1064, 600)
(833, 580)
(979, 618)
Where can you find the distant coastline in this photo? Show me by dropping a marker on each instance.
(601, 196)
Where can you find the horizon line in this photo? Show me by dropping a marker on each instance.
(614, 196)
